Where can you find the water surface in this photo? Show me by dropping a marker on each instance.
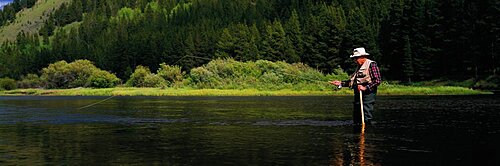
(410, 130)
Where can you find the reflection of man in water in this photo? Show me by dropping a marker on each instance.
(366, 79)
(353, 151)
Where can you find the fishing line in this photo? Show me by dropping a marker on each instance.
(309, 79)
(90, 105)
(192, 56)
(305, 78)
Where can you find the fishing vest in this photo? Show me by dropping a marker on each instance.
(362, 75)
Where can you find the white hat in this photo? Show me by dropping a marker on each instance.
(359, 52)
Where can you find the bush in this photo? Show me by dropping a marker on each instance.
(30, 81)
(102, 79)
(172, 74)
(153, 80)
(262, 74)
(56, 75)
(137, 77)
(7, 84)
(490, 83)
(81, 73)
(142, 77)
(202, 78)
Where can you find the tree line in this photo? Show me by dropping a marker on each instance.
(412, 40)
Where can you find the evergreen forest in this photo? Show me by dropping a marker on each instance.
(411, 40)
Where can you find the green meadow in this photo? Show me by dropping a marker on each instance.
(134, 91)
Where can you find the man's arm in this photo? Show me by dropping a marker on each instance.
(375, 75)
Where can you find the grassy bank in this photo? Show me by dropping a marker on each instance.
(122, 91)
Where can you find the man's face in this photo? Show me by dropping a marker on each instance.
(356, 60)
(359, 60)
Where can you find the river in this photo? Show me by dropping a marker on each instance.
(409, 130)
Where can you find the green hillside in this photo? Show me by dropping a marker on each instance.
(30, 20)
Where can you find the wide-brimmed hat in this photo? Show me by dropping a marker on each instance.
(359, 52)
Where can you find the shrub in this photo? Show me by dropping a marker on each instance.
(102, 79)
(172, 74)
(137, 77)
(153, 80)
(203, 78)
(262, 74)
(81, 73)
(56, 75)
(7, 84)
(142, 77)
(30, 81)
(490, 83)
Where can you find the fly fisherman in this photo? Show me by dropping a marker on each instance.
(364, 80)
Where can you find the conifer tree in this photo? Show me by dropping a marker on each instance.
(294, 33)
(408, 60)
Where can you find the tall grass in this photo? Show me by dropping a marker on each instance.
(132, 91)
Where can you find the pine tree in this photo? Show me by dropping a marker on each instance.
(225, 46)
(276, 46)
(408, 60)
(294, 33)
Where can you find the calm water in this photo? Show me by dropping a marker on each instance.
(410, 130)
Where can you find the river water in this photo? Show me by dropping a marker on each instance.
(409, 130)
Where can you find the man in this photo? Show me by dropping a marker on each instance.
(365, 79)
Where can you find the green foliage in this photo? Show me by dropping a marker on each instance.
(172, 74)
(56, 75)
(78, 72)
(238, 42)
(490, 83)
(7, 84)
(407, 60)
(261, 74)
(142, 77)
(153, 80)
(408, 39)
(30, 81)
(277, 46)
(469, 83)
(102, 79)
(81, 73)
(137, 78)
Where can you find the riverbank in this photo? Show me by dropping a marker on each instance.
(129, 91)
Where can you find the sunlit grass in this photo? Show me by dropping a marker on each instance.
(385, 89)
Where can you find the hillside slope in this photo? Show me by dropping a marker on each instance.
(29, 20)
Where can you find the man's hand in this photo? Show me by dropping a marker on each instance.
(336, 82)
(361, 87)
